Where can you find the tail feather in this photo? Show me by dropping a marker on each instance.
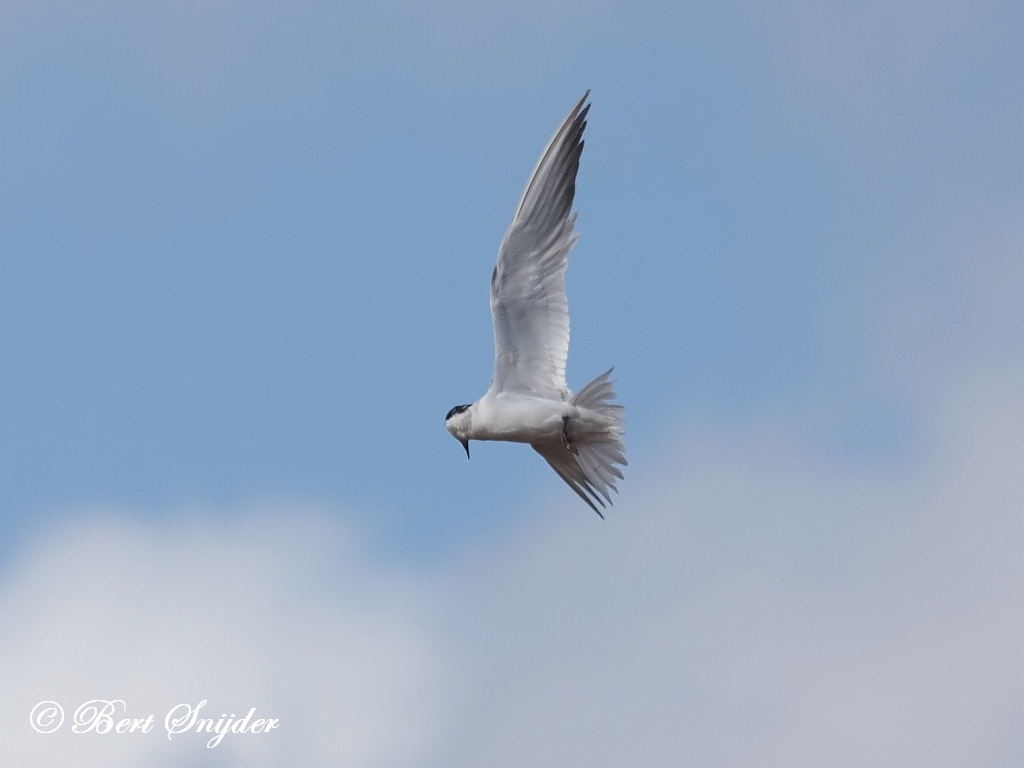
(601, 454)
(594, 468)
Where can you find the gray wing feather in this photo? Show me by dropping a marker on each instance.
(565, 465)
(528, 303)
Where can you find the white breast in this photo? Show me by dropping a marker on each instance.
(518, 418)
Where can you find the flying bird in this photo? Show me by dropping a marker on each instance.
(528, 401)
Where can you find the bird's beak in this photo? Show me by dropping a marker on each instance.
(465, 444)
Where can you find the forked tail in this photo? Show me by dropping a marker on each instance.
(591, 465)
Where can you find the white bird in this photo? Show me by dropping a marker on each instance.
(528, 400)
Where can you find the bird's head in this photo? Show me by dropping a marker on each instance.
(458, 423)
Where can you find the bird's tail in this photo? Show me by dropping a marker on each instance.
(600, 452)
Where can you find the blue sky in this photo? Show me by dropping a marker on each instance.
(244, 247)
(244, 252)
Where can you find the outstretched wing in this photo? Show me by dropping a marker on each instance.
(528, 304)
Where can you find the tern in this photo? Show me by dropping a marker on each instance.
(528, 401)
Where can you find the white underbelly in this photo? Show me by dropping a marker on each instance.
(519, 418)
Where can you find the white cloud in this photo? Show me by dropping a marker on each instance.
(762, 609)
(272, 610)
(746, 604)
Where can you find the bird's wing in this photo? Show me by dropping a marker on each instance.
(528, 304)
(565, 465)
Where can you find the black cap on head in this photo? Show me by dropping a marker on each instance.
(456, 409)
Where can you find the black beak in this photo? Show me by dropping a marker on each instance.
(465, 444)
